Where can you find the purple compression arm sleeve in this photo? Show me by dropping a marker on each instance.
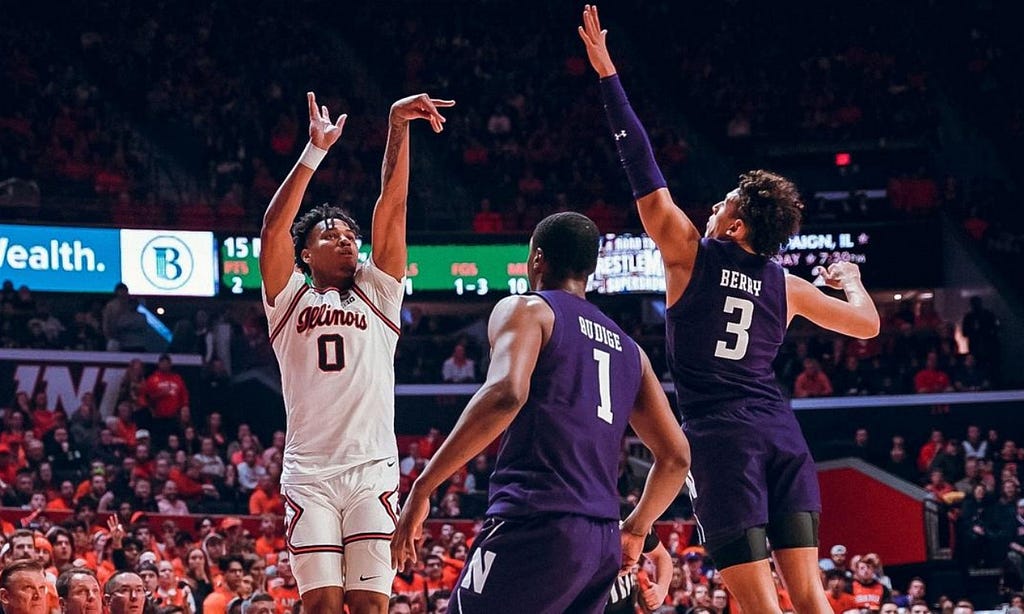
(630, 139)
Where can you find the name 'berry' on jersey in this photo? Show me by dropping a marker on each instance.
(724, 332)
(561, 453)
(336, 353)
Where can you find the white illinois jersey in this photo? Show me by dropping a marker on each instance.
(336, 353)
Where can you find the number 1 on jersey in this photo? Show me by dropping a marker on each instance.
(722, 349)
(604, 409)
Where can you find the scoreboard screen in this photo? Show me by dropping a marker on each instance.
(890, 256)
(458, 269)
(627, 264)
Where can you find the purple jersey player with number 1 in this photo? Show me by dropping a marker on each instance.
(728, 308)
(565, 381)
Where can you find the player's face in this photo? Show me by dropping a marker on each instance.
(331, 247)
(722, 216)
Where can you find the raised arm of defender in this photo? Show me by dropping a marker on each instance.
(277, 255)
(671, 229)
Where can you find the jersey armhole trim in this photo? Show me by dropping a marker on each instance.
(288, 313)
(380, 314)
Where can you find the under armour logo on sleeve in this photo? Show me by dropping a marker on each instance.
(619, 135)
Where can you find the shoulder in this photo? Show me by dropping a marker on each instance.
(523, 305)
(368, 271)
(521, 312)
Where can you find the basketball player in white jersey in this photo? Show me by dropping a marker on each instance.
(335, 335)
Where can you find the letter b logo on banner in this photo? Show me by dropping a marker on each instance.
(167, 262)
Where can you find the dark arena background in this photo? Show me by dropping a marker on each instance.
(140, 143)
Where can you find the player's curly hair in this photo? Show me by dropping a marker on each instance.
(770, 206)
(302, 227)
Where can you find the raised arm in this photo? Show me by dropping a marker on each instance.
(277, 253)
(654, 424)
(389, 247)
(676, 235)
(518, 329)
(856, 316)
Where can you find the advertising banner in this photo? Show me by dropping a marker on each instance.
(60, 259)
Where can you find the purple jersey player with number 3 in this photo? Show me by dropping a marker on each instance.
(565, 381)
(728, 308)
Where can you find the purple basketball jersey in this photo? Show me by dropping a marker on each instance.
(725, 331)
(561, 453)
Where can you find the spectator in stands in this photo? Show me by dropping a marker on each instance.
(931, 379)
(458, 368)
(169, 503)
(166, 396)
(249, 472)
(915, 592)
(971, 476)
(974, 446)
(485, 220)
(969, 377)
(125, 593)
(399, 604)
(949, 460)
(23, 588)
(43, 418)
(85, 423)
(937, 485)
(812, 381)
(850, 380)
(868, 592)
(212, 465)
(930, 449)
(972, 543)
(412, 463)
(112, 313)
(266, 499)
(434, 577)
(79, 591)
(1002, 522)
(234, 569)
(838, 597)
(130, 330)
(981, 327)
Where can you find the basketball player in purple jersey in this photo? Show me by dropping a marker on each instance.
(728, 308)
(564, 380)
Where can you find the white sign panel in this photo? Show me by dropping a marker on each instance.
(170, 263)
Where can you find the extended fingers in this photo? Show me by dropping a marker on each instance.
(313, 112)
(431, 114)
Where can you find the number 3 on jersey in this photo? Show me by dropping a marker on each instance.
(330, 351)
(738, 351)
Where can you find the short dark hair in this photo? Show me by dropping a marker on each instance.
(261, 597)
(569, 241)
(63, 583)
(770, 206)
(56, 532)
(108, 587)
(835, 574)
(304, 225)
(224, 561)
(15, 567)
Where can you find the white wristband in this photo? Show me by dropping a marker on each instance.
(312, 156)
